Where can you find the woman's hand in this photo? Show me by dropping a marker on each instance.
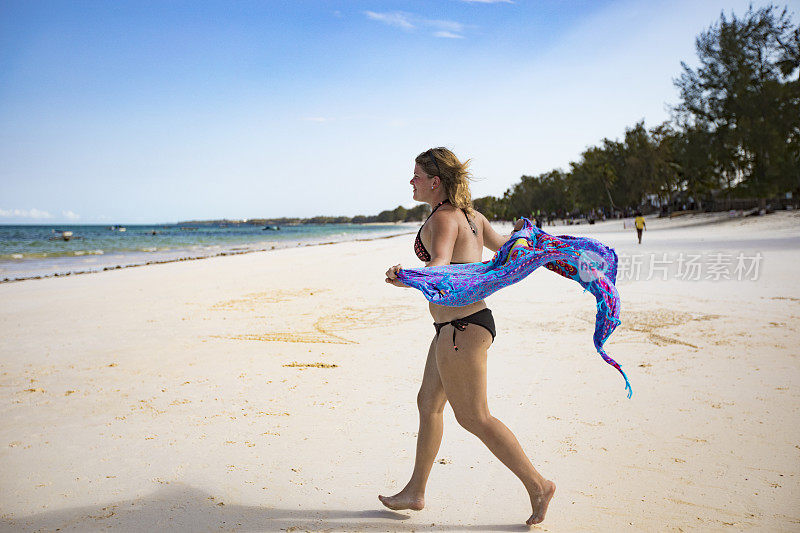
(391, 276)
(518, 225)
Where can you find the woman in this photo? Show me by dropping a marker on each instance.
(455, 370)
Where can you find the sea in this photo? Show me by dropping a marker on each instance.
(40, 251)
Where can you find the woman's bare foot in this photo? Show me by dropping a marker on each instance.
(540, 501)
(401, 501)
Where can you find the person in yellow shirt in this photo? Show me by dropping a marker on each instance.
(638, 222)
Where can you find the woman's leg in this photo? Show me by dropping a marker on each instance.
(463, 376)
(430, 401)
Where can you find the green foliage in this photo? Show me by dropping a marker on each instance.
(399, 214)
(417, 213)
(491, 207)
(592, 179)
(744, 95)
(545, 192)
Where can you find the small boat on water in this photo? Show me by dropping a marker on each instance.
(271, 228)
(60, 235)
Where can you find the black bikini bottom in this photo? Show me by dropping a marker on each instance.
(482, 318)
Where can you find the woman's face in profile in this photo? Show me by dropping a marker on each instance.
(420, 183)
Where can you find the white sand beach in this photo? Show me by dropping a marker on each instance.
(275, 391)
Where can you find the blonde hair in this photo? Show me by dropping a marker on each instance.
(454, 174)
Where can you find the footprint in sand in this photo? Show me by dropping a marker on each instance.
(295, 364)
(328, 329)
(251, 302)
(649, 322)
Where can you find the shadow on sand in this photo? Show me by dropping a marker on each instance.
(179, 507)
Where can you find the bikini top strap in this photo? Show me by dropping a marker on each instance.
(471, 225)
(447, 201)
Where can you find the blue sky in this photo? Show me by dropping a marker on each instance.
(148, 112)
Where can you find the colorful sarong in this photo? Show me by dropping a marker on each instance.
(585, 260)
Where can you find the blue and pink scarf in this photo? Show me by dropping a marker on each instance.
(585, 260)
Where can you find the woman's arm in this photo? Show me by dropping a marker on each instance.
(491, 239)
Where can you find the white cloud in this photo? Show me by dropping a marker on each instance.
(25, 213)
(446, 25)
(408, 21)
(70, 215)
(398, 19)
(448, 35)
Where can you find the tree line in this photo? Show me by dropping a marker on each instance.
(399, 214)
(735, 134)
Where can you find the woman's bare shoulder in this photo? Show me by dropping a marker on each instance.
(445, 216)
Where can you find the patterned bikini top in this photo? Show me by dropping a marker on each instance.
(419, 248)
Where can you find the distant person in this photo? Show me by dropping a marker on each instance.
(639, 224)
(455, 370)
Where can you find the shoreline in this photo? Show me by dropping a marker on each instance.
(194, 258)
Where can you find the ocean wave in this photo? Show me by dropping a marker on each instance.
(49, 255)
